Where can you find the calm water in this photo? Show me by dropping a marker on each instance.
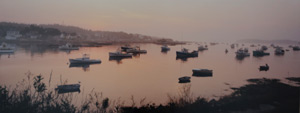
(153, 75)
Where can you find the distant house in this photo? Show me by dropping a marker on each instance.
(12, 35)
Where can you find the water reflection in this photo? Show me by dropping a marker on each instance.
(240, 58)
(84, 66)
(118, 59)
(164, 51)
(4, 54)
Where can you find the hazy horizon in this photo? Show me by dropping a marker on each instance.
(203, 20)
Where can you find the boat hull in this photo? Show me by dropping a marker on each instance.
(119, 55)
(197, 72)
(7, 51)
(183, 54)
(77, 61)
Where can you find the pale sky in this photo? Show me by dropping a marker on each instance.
(192, 20)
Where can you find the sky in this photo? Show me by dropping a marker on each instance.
(190, 20)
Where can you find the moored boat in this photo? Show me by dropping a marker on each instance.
(5, 49)
(185, 53)
(68, 46)
(202, 48)
(279, 51)
(260, 53)
(165, 48)
(136, 50)
(184, 79)
(296, 48)
(264, 68)
(84, 59)
(119, 54)
(242, 53)
(202, 72)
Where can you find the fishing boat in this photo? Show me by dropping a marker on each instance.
(184, 79)
(242, 53)
(5, 49)
(279, 51)
(68, 88)
(260, 53)
(202, 72)
(165, 48)
(119, 54)
(136, 49)
(126, 47)
(85, 59)
(264, 48)
(68, 46)
(296, 48)
(185, 53)
(202, 48)
(264, 68)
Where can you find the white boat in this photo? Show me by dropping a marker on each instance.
(68, 46)
(279, 51)
(201, 48)
(184, 79)
(202, 72)
(136, 50)
(242, 53)
(119, 54)
(5, 49)
(165, 48)
(84, 59)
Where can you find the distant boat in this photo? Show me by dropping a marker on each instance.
(252, 45)
(165, 48)
(260, 53)
(242, 53)
(264, 68)
(185, 53)
(68, 88)
(184, 79)
(84, 59)
(279, 51)
(126, 47)
(136, 50)
(232, 46)
(296, 48)
(5, 49)
(119, 54)
(202, 72)
(68, 46)
(264, 48)
(202, 48)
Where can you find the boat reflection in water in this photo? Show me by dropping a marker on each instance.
(118, 59)
(85, 67)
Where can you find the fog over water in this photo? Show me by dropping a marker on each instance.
(192, 20)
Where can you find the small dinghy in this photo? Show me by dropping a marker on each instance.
(184, 79)
(264, 68)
